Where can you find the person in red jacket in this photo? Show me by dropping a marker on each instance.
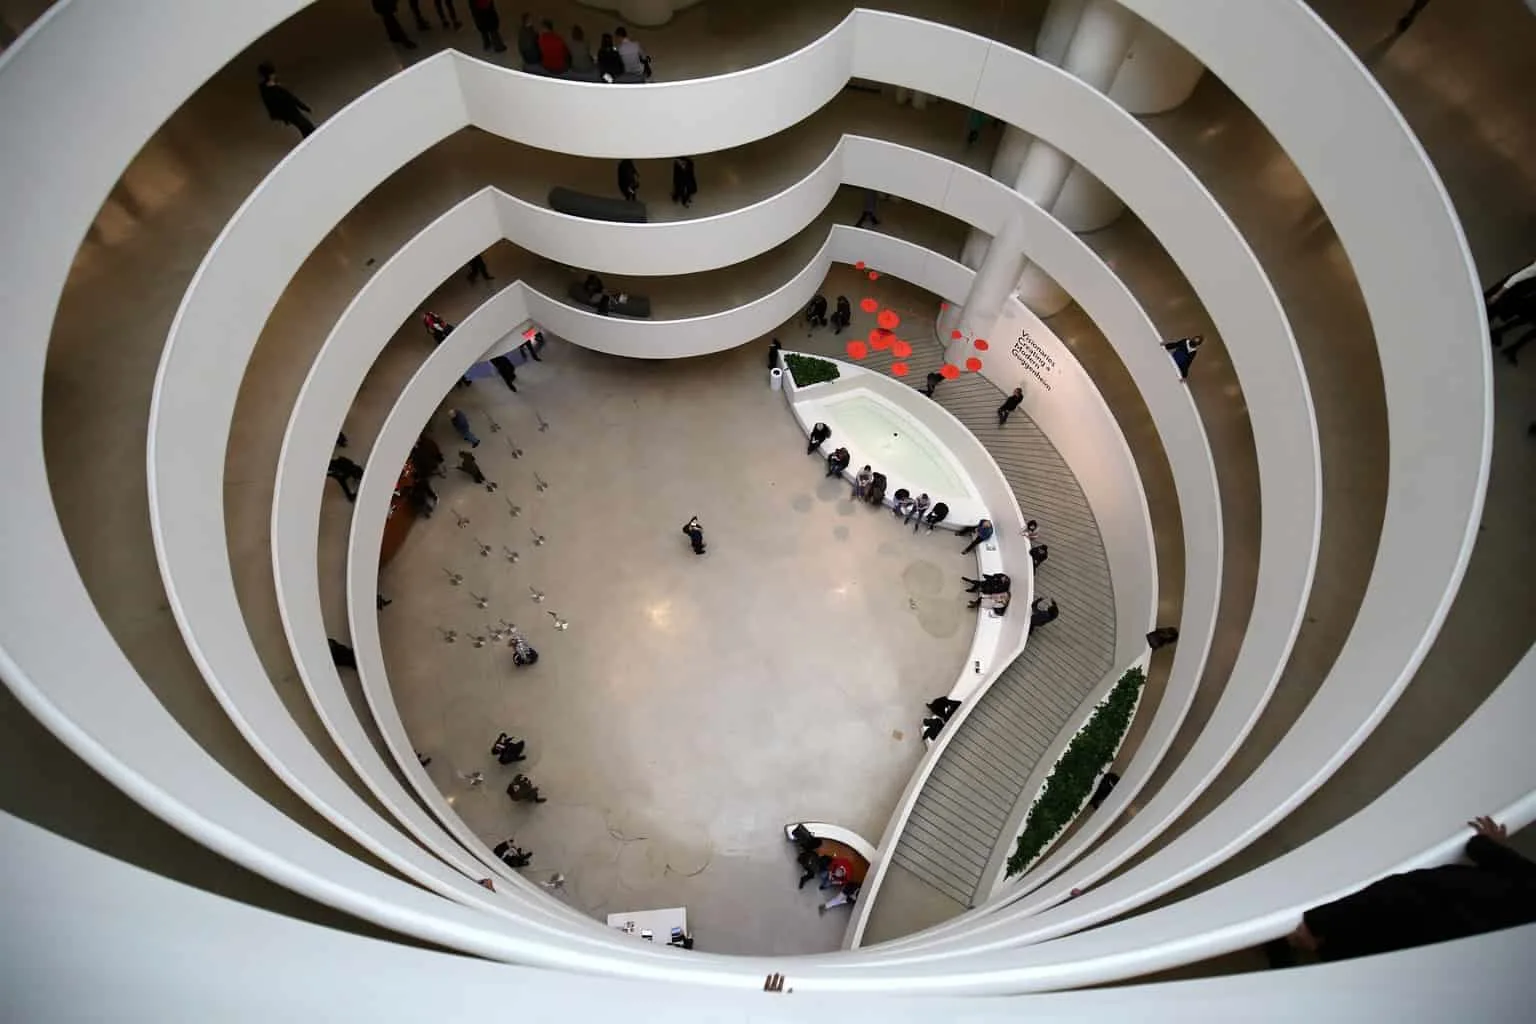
(553, 53)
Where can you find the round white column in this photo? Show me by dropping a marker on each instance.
(1012, 148)
(1158, 74)
(990, 288)
(975, 250)
(1056, 30)
(1086, 203)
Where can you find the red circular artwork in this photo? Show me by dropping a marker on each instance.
(898, 369)
(873, 276)
(955, 335)
(981, 344)
(879, 339)
(949, 371)
(973, 364)
(888, 319)
(900, 349)
(868, 305)
(857, 350)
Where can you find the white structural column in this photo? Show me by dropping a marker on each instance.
(990, 288)
(1139, 67)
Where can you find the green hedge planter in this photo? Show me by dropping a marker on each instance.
(808, 370)
(1071, 782)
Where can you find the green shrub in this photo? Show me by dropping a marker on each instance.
(1075, 775)
(808, 370)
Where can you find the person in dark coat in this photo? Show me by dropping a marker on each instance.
(508, 750)
(507, 369)
(470, 467)
(843, 316)
(426, 456)
(695, 534)
(773, 354)
(819, 433)
(476, 270)
(511, 855)
(838, 461)
(344, 471)
(1183, 352)
(1038, 554)
(1042, 612)
(610, 64)
(341, 655)
(936, 515)
(944, 707)
(281, 104)
(386, 10)
(1497, 890)
(684, 184)
(1010, 403)
(522, 790)
(483, 14)
(1162, 636)
(816, 312)
(629, 180)
(932, 382)
(991, 583)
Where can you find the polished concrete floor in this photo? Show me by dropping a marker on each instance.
(1459, 76)
(695, 703)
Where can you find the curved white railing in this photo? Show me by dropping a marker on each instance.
(431, 105)
(1362, 162)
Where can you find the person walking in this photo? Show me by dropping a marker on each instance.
(387, 12)
(461, 424)
(932, 382)
(609, 64)
(581, 54)
(508, 371)
(530, 346)
(871, 197)
(774, 348)
(1183, 352)
(983, 532)
(470, 467)
(1038, 554)
(477, 269)
(446, 14)
(344, 471)
(684, 184)
(1161, 637)
(1042, 612)
(522, 790)
(819, 433)
(488, 22)
(1010, 403)
(629, 180)
(553, 53)
(695, 534)
(437, 327)
(282, 105)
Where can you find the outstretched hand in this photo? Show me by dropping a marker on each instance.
(1487, 827)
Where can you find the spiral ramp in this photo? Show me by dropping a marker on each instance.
(316, 868)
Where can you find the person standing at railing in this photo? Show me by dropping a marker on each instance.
(282, 105)
(1010, 403)
(386, 10)
(1497, 890)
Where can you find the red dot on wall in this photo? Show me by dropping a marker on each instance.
(955, 335)
(943, 306)
(888, 319)
(857, 350)
(981, 344)
(949, 371)
(868, 305)
(879, 339)
(900, 349)
(859, 265)
(973, 364)
(898, 369)
(873, 276)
